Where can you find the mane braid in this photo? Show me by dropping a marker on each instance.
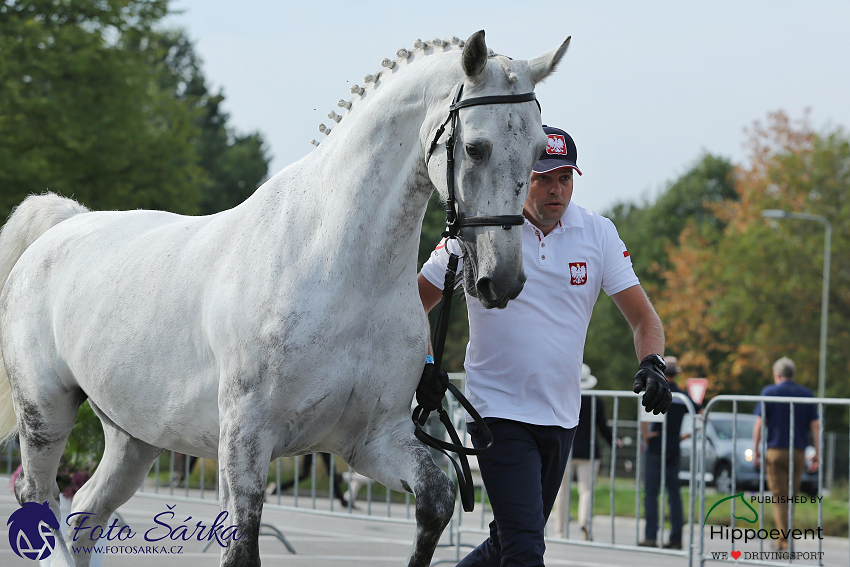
(402, 56)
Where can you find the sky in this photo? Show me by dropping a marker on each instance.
(645, 89)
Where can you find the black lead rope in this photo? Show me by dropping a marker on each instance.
(454, 222)
(463, 473)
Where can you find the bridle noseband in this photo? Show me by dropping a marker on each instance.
(455, 221)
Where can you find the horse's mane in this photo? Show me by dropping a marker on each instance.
(403, 55)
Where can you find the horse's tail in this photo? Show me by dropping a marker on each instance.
(28, 221)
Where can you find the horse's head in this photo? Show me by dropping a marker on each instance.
(496, 144)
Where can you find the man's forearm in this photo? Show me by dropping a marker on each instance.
(649, 337)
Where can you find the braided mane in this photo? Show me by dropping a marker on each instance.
(370, 82)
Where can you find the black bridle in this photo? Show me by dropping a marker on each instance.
(454, 222)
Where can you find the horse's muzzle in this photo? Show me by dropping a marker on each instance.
(491, 295)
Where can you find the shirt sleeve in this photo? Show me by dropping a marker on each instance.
(617, 271)
(434, 269)
(759, 405)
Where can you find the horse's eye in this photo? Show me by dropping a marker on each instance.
(472, 152)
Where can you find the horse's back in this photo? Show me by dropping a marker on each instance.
(114, 301)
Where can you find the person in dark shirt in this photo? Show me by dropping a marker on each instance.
(652, 477)
(582, 467)
(777, 418)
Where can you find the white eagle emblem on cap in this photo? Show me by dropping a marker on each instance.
(556, 145)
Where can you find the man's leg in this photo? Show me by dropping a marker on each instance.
(522, 472)
(776, 462)
(562, 514)
(584, 473)
(652, 485)
(674, 492)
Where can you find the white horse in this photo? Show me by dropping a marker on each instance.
(287, 325)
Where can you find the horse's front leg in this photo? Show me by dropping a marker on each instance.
(244, 453)
(395, 458)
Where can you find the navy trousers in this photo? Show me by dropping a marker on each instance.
(653, 487)
(522, 472)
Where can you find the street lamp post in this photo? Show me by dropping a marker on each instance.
(824, 304)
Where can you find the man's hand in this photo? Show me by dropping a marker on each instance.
(814, 464)
(650, 377)
(432, 388)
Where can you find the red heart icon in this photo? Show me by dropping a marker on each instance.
(736, 554)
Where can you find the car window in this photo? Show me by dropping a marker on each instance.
(723, 428)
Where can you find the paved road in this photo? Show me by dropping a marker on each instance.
(322, 540)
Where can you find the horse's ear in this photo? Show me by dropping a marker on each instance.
(543, 65)
(474, 57)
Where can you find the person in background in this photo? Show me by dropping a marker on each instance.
(652, 473)
(777, 417)
(582, 467)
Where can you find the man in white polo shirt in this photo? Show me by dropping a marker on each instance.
(523, 363)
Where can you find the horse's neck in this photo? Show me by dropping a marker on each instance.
(363, 192)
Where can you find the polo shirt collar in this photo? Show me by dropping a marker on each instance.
(571, 219)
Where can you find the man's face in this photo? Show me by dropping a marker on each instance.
(548, 196)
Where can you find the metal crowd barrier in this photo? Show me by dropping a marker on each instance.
(705, 555)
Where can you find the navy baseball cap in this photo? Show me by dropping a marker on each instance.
(560, 152)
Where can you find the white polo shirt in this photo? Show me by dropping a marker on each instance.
(524, 362)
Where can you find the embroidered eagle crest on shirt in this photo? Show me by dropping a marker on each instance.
(578, 273)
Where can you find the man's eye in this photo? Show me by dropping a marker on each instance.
(472, 152)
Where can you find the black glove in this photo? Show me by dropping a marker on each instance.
(432, 388)
(650, 375)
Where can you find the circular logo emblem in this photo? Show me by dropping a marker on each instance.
(31, 531)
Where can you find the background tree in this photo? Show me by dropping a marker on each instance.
(78, 111)
(649, 231)
(98, 104)
(753, 295)
(235, 164)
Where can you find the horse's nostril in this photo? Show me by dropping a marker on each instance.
(486, 289)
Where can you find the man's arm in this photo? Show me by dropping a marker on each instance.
(644, 321)
(649, 339)
(428, 293)
(757, 442)
(815, 426)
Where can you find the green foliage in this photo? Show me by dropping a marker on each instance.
(649, 231)
(98, 104)
(86, 442)
(735, 303)
(80, 111)
(235, 164)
